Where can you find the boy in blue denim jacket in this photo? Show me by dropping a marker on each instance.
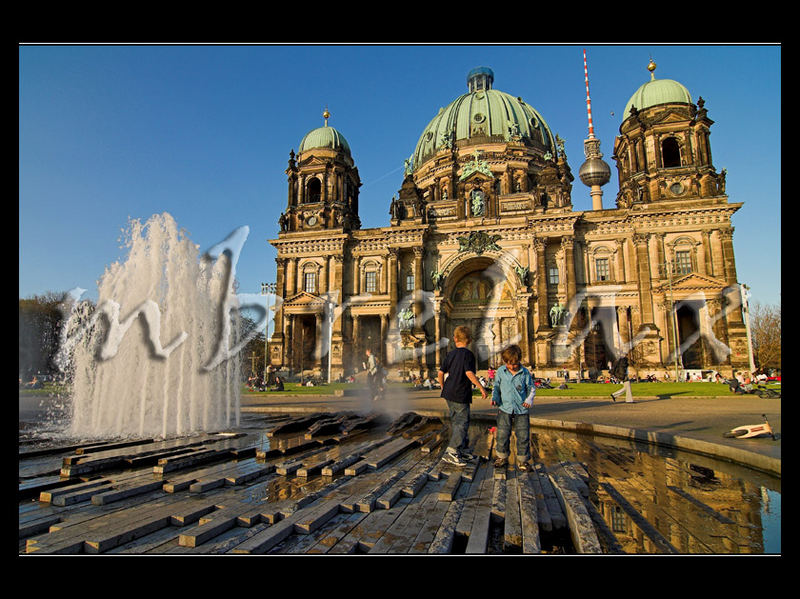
(513, 393)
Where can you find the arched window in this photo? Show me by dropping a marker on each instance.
(670, 152)
(314, 191)
(310, 272)
(370, 273)
(601, 265)
(684, 255)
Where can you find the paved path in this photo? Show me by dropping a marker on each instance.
(702, 419)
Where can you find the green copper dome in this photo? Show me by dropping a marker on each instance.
(657, 91)
(483, 112)
(324, 137)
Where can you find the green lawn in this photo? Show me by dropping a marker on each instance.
(582, 389)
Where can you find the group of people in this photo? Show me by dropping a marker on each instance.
(257, 383)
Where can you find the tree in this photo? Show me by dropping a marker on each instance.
(252, 355)
(40, 321)
(765, 329)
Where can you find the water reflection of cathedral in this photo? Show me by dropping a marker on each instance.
(657, 503)
(482, 232)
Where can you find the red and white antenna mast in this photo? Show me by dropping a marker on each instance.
(588, 99)
(594, 172)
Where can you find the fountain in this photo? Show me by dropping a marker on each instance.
(123, 382)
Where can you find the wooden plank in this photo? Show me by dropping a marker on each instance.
(464, 524)
(73, 493)
(124, 491)
(478, 539)
(400, 535)
(332, 537)
(499, 499)
(529, 514)
(512, 523)
(38, 525)
(450, 487)
(558, 518)
(281, 529)
(381, 456)
(409, 485)
(367, 503)
(368, 531)
(143, 523)
(443, 539)
(428, 531)
(567, 469)
(542, 514)
(582, 532)
(201, 456)
(210, 526)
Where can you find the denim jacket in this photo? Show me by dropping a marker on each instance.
(511, 391)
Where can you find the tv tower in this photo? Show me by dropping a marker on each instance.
(595, 172)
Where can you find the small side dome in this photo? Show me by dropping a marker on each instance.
(324, 137)
(657, 91)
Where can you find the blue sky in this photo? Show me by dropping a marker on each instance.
(203, 132)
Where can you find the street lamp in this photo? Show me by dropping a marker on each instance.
(267, 289)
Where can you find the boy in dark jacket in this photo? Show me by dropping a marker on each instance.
(459, 365)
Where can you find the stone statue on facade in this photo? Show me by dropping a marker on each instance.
(522, 274)
(438, 280)
(405, 319)
(557, 314)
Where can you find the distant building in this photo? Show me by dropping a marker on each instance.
(482, 232)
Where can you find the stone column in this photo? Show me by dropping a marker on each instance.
(718, 328)
(291, 277)
(392, 275)
(357, 351)
(540, 244)
(567, 244)
(728, 264)
(644, 272)
(620, 261)
(323, 276)
(704, 256)
(384, 332)
(717, 258)
(418, 253)
(437, 332)
(290, 341)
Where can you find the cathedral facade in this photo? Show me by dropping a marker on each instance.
(482, 233)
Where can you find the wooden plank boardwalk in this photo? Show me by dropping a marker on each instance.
(325, 483)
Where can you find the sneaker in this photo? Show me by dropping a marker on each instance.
(465, 455)
(500, 463)
(453, 459)
(524, 467)
(614, 399)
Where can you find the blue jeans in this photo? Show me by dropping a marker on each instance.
(459, 426)
(521, 424)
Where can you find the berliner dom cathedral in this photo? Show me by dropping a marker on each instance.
(482, 232)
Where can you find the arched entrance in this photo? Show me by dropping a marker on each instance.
(689, 326)
(481, 298)
(304, 343)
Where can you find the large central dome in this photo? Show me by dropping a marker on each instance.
(483, 114)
